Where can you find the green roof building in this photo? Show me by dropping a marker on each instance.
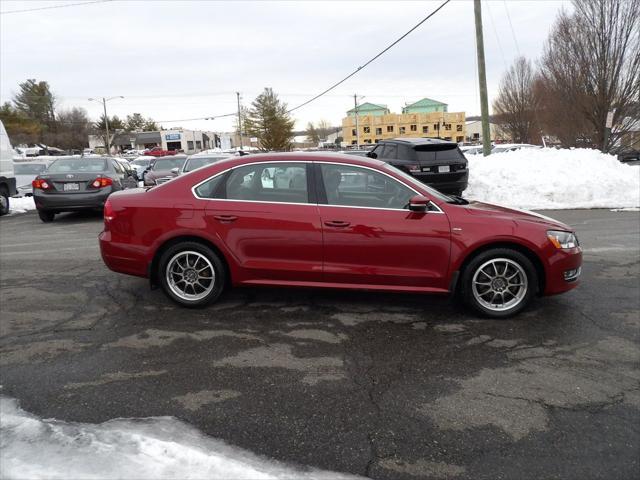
(426, 105)
(369, 109)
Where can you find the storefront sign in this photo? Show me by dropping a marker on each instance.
(172, 136)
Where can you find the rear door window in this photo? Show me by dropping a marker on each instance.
(284, 182)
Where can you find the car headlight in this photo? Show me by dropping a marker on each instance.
(562, 240)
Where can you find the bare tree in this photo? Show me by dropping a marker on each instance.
(591, 66)
(516, 105)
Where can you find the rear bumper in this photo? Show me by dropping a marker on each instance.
(121, 258)
(563, 261)
(71, 201)
(452, 182)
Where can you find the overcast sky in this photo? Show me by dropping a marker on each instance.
(175, 60)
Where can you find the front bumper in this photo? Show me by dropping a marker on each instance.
(563, 271)
(62, 202)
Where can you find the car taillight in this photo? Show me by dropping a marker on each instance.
(109, 212)
(41, 184)
(101, 182)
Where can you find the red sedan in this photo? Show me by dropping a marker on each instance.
(337, 221)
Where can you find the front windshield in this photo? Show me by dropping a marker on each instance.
(417, 183)
(78, 165)
(168, 163)
(194, 163)
(29, 168)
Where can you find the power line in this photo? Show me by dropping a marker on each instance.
(54, 6)
(495, 33)
(371, 60)
(513, 33)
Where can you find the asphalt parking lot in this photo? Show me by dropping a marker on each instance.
(386, 386)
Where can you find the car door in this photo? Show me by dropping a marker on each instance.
(370, 236)
(270, 226)
(118, 175)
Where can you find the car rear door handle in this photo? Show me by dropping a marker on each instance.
(336, 223)
(225, 218)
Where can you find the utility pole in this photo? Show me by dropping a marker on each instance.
(106, 119)
(239, 121)
(482, 79)
(355, 102)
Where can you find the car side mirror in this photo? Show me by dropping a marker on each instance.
(175, 170)
(419, 203)
(372, 155)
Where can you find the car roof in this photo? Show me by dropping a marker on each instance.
(418, 141)
(301, 156)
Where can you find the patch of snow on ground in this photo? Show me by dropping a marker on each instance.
(21, 205)
(550, 178)
(153, 448)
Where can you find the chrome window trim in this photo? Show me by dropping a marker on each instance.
(307, 162)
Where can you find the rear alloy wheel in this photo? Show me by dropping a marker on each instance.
(499, 283)
(191, 274)
(46, 216)
(4, 201)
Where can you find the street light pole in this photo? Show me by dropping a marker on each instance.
(239, 121)
(106, 119)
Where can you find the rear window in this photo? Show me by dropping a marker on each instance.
(439, 153)
(78, 165)
(193, 163)
(168, 163)
(29, 169)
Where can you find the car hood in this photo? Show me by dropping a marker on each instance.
(515, 214)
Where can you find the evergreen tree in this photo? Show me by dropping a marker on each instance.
(312, 134)
(268, 120)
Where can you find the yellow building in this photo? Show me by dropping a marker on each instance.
(374, 126)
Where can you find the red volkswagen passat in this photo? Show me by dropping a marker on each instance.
(327, 220)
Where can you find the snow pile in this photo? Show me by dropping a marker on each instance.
(553, 179)
(153, 448)
(21, 205)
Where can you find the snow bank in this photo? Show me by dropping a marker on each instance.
(153, 448)
(553, 179)
(21, 205)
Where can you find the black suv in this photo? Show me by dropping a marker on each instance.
(438, 163)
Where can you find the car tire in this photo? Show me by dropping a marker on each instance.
(185, 274)
(46, 216)
(501, 275)
(4, 201)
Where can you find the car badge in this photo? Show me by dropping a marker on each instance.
(69, 175)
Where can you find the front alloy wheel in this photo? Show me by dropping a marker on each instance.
(499, 283)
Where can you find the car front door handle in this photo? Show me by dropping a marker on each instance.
(225, 218)
(336, 223)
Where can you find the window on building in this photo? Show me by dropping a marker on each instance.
(436, 126)
(476, 136)
(198, 144)
(389, 128)
(459, 138)
(353, 132)
(376, 140)
(414, 128)
(354, 142)
(366, 129)
(379, 131)
(402, 130)
(447, 138)
(425, 129)
(447, 126)
(190, 145)
(367, 140)
(458, 128)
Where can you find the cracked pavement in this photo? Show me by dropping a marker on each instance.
(381, 385)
